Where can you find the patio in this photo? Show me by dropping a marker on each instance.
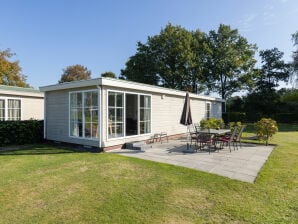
(243, 164)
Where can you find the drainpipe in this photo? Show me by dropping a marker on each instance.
(99, 116)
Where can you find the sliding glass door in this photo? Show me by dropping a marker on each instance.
(129, 114)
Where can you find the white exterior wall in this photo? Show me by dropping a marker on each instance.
(32, 108)
(166, 112)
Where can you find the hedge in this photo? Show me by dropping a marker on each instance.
(234, 117)
(21, 132)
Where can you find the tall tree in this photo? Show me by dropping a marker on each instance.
(74, 73)
(109, 75)
(230, 61)
(10, 71)
(272, 71)
(294, 75)
(168, 59)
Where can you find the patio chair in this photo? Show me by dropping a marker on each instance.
(229, 140)
(238, 135)
(203, 140)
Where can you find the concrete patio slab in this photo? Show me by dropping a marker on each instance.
(243, 164)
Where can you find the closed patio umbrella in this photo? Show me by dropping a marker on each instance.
(186, 118)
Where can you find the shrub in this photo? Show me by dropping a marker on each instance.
(233, 124)
(212, 123)
(265, 129)
(21, 132)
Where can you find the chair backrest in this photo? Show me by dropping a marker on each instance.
(234, 132)
(191, 128)
(197, 127)
(240, 132)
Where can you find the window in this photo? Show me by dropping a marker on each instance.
(14, 109)
(115, 114)
(84, 114)
(129, 114)
(207, 111)
(10, 109)
(2, 109)
(145, 114)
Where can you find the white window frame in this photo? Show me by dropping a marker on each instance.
(83, 114)
(124, 115)
(6, 107)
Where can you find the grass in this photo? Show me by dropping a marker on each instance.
(44, 184)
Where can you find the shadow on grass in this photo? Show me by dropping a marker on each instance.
(43, 149)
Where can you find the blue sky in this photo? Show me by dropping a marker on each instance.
(47, 36)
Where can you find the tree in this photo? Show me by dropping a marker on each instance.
(10, 71)
(265, 129)
(294, 75)
(109, 74)
(272, 71)
(230, 61)
(170, 59)
(74, 73)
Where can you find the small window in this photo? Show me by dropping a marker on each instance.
(208, 106)
(2, 110)
(14, 109)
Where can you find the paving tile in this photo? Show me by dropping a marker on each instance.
(243, 164)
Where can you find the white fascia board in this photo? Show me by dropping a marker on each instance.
(71, 85)
(154, 89)
(20, 93)
(111, 82)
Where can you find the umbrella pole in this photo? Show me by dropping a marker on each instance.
(188, 135)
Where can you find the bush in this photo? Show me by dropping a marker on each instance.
(265, 129)
(234, 116)
(21, 132)
(233, 124)
(212, 123)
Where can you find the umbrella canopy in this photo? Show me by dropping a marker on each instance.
(186, 118)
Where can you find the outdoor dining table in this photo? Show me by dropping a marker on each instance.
(216, 133)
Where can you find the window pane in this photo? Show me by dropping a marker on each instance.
(142, 101)
(76, 115)
(76, 129)
(111, 130)
(119, 130)
(119, 115)
(88, 117)
(94, 114)
(144, 127)
(94, 98)
(88, 99)
(147, 102)
(119, 100)
(94, 130)
(88, 130)
(112, 114)
(111, 99)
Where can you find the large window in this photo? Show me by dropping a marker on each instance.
(84, 114)
(10, 109)
(129, 114)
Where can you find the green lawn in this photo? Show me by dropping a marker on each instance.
(50, 185)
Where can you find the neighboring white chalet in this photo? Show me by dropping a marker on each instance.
(17, 103)
(108, 113)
